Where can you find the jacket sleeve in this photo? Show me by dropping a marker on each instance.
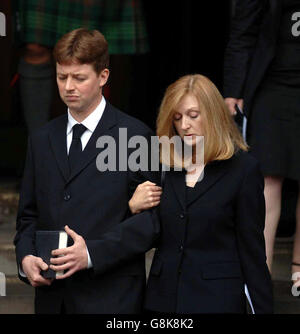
(27, 213)
(134, 236)
(151, 172)
(244, 31)
(250, 221)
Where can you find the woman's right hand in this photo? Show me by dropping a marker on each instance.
(146, 196)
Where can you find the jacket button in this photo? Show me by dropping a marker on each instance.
(182, 215)
(67, 197)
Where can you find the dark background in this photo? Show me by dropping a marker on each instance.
(184, 36)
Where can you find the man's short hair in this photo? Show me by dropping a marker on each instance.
(84, 47)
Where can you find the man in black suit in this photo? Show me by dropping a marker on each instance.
(63, 186)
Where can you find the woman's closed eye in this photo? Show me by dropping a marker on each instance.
(194, 114)
(177, 117)
(191, 114)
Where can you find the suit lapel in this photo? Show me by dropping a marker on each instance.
(275, 10)
(212, 173)
(107, 121)
(178, 183)
(58, 142)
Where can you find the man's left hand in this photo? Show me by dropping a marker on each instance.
(73, 258)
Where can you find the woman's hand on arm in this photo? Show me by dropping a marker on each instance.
(146, 196)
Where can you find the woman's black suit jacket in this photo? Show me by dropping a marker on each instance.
(251, 47)
(213, 245)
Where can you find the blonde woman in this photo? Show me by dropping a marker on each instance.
(211, 252)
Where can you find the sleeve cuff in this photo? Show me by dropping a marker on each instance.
(21, 272)
(90, 265)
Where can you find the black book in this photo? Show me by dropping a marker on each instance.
(45, 243)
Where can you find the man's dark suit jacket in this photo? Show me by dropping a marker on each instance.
(251, 48)
(91, 203)
(213, 244)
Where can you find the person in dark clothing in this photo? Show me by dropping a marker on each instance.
(62, 185)
(211, 252)
(262, 75)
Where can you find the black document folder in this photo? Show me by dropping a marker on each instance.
(45, 243)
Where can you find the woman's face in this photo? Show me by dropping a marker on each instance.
(188, 120)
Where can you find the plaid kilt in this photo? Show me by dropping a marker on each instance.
(120, 21)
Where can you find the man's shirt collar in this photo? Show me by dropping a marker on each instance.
(91, 121)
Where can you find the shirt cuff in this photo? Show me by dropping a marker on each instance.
(21, 272)
(90, 265)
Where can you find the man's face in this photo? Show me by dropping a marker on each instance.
(80, 87)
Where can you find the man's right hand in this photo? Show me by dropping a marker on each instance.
(32, 267)
(231, 102)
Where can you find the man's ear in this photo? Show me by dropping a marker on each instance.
(104, 77)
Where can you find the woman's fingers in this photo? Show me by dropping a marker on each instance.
(153, 198)
(146, 196)
(154, 188)
(151, 204)
(147, 184)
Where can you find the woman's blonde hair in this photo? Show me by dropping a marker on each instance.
(221, 135)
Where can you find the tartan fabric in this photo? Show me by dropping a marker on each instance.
(120, 21)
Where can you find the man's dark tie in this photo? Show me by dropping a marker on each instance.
(76, 147)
